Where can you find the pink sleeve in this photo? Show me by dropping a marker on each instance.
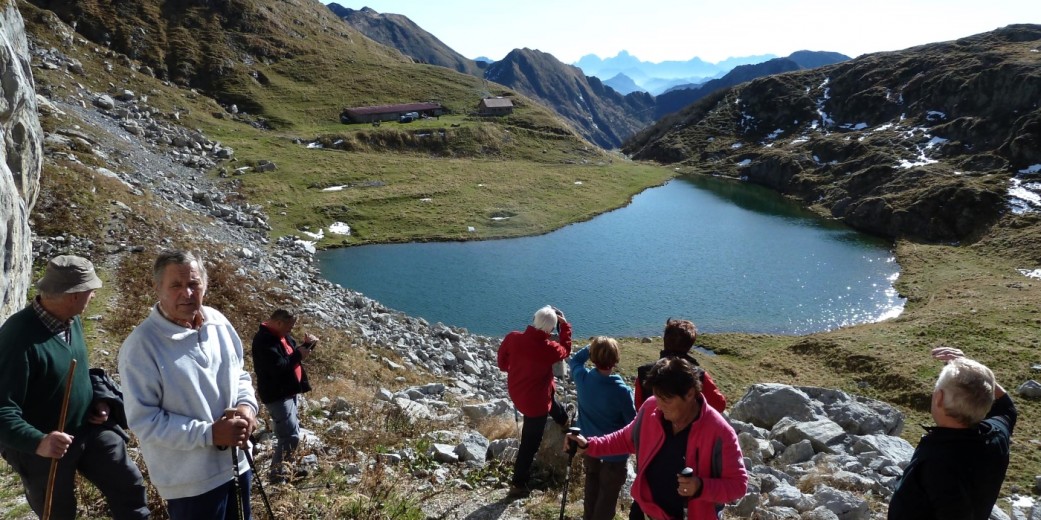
(734, 481)
(615, 443)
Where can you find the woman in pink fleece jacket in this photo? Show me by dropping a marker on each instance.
(673, 430)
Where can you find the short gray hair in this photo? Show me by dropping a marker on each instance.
(176, 257)
(545, 319)
(968, 390)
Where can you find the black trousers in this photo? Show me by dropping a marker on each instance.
(100, 455)
(531, 438)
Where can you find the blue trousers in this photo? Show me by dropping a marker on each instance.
(287, 433)
(216, 504)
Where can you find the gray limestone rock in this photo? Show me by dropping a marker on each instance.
(766, 404)
(21, 159)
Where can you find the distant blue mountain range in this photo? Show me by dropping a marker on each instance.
(659, 77)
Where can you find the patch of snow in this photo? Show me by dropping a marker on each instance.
(339, 228)
(744, 163)
(338, 142)
(578, 183)
(314, 145)
(935, 141)
(1022, 502)
(500, 218)
(886, 126)
(314, 236)
(935, 115)
(471, 229)
(480, 185)
(736, 145)
(921, 161)
(711, 139)
(1030, 273)
(800, 140)
(1033, 168)
(306, 246)
(775, 134)
(335, 188)
(1024, 197)
(852, 126)
(816, 159)
(426, 199)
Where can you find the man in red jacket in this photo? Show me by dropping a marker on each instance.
(527, 358)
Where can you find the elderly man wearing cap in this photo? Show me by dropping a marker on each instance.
(39, 344)
(182, 369)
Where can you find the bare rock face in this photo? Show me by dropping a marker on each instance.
(21, 159)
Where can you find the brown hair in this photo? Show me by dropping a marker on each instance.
(603, 352)
(679, 335)
(674, 376)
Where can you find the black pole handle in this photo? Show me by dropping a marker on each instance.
(572, 445)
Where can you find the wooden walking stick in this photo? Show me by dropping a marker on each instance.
(61, 427)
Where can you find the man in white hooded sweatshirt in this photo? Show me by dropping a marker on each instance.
(181, 368)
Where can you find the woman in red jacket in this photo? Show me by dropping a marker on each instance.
(676, 429)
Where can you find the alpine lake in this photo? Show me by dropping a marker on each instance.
(728, 255)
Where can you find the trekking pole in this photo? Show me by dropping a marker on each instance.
(258, 480)
(229, 414)
(61, 427)
(572, 448)
(687, 472)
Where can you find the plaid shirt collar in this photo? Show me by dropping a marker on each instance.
(53, 324)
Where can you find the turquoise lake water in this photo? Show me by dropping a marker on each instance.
(730, 256)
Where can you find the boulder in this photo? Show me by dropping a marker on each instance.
(845, 505)
(824, 434)
(473, 446)
(21, 159)
(766, 404)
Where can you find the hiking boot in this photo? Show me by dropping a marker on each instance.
(518, 492)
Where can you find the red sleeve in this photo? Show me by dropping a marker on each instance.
(564, 347)
(503, 357)
(713, 396)
(638, 392)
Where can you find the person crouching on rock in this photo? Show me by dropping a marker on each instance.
(527, 358)
(673, 430)
(958, 467)
(605, 403)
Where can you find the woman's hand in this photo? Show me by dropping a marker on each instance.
(688, 486)
(579, 440)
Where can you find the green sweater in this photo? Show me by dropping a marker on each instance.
(33, 366)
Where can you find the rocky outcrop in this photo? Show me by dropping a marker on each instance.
(21, 159)
(930, 143)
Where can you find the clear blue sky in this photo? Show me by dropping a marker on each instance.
(659, 30)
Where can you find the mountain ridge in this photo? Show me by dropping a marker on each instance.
(858, 138)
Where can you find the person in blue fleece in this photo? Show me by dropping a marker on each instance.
(605, 405)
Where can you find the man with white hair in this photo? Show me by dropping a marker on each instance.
(183, 369)
(958, 467)
(527, 358)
